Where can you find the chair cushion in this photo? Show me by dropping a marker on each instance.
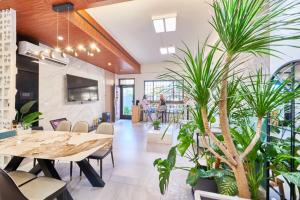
(21, 177)
(100, 154)
(42, 188)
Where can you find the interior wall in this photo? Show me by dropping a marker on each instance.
(52, 92)
(109, 93)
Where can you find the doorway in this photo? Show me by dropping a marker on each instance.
(127, 98)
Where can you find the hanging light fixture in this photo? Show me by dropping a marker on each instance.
(90, 49)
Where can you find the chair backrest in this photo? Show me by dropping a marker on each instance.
(64, 126)
(105, 128)
(81, 127)
(8, 189)
(54, 123)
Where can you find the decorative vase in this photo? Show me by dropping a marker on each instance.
(156, 128)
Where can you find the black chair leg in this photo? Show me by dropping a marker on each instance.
(101, 168)
(71, 169)
(34, 162)
(112, 158)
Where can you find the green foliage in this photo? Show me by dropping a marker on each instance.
(201, 75)
(243, 26)
(227, 185)
(164, 168)
(292, 177)
(186, 137)
(28, 119)
(26, 107)
(263, 96)
(156, 123)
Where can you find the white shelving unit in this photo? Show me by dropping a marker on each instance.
(8, 69)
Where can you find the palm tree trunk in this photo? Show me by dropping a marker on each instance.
(239, 170)
(242, 181)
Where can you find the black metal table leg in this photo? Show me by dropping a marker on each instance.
(49, 170)
(13, 164)
(36, 169)
(90, 173)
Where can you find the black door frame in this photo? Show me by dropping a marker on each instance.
(121, 97)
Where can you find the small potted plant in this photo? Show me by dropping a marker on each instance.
(156, 124)
(25, 119)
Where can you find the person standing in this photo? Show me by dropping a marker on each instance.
(146, 108)
(162, 108)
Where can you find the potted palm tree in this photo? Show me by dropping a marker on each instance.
(244, 27)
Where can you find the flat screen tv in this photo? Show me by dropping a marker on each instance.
(81, 89)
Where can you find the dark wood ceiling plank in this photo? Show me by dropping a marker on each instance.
(37, 20)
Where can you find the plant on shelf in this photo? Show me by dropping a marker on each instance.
(244, 28)
(25, 118)
(156, 124)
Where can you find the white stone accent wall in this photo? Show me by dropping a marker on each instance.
(53, 92)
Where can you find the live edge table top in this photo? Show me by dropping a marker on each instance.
(55, 145)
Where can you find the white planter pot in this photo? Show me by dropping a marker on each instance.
(24, 131)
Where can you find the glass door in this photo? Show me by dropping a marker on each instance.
(127, 98)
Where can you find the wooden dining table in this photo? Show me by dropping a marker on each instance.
(46, 146)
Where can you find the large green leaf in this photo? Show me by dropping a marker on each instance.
(196, 173)
(292, 177)
(26, 107)
(164, 168)
(172, 156)
(227, 185)
(30, 118)
(193, 177)
(186, 137)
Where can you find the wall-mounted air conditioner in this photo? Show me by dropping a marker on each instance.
(41, 53)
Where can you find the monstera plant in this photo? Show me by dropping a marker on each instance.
(244, 28)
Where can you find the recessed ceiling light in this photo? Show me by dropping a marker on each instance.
(163, 51)
(60, 38)
(171, 50)
(109, 64)
(165, 23)
(170, 24)
(167, 50)
(159, 25)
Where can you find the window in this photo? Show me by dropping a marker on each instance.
(170, 89)
(126, 81)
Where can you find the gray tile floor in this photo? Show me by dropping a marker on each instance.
(134, 177)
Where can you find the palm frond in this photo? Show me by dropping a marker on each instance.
(251, 26)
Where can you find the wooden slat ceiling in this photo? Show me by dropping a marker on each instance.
(37, 20)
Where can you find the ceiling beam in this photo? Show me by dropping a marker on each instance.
(87, 24)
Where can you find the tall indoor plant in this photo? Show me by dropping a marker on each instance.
(244, 27)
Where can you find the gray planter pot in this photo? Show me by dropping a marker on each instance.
(206, 184)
